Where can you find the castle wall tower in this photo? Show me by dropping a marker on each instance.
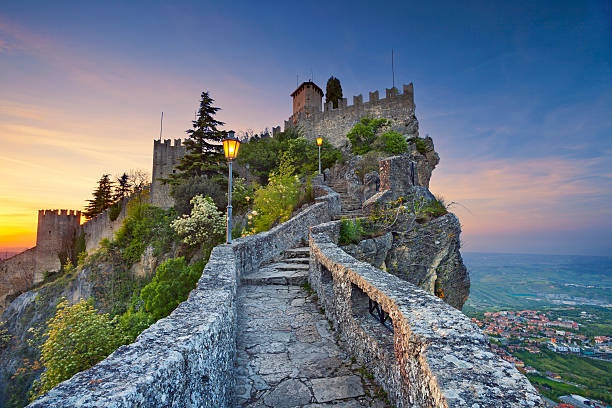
(165, 157)
(307, 99)
(54, 237)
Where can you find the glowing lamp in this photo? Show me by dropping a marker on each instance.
(230, 147)
(319, 141)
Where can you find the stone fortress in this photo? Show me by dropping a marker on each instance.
(426, 354)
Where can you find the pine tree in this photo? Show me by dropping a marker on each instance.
(333, 91)
(102, 197)
(123, 188)
(204, 148)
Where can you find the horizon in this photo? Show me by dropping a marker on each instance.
(516, 98)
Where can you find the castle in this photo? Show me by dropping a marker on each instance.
(57, 229)
(335, 123)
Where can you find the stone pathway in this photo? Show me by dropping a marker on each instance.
(288, 356)
(351, 207)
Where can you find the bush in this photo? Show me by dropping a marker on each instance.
(205, 225)
(131, 324)
(114, 211)
(351, 232)
(77, 338)
(242, 195)
(420, 144)
(170, 286)
(363, 134)
(391, 142)
(370, 162)
(144, 225)
(215, 188)
(305, 155)
(274, 202)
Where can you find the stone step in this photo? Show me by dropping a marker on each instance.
(274, 276)
(297, 252)
(297, 260)
(282, 266)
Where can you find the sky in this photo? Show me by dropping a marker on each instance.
(517, 97)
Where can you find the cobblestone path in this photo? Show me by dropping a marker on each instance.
(288, 355)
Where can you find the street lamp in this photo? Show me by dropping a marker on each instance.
(319, 142)
(230, 148)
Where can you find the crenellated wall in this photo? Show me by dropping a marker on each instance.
(165, 156)
(336, 123)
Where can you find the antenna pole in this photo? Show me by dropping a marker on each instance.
(161, 126)
(392, 68)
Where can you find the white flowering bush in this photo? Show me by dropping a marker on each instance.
(205, 224)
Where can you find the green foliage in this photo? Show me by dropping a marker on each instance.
(242, 195)
(131, 324)
(205, 226)
(144, 225)
(78, 247)
(370, 162)
(420, 144)
(351, 231)
(264, 155)
(363, 134)
(391, 142)
(5, 337)
(203, 156)
(170, 286)
(333, 91)
(123, 187)
(114, 211)
(77, 338)
(185, 190)
(387, 215)
(102, 197)
(274, 202)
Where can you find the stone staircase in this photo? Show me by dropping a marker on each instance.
(351, 207)
(292, 269)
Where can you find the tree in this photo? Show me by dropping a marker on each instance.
(123, 188)
(333, 91)
(204, 148)
(173, 281)
(205, 225)
(139, 178)
(77, 338)
(102, 197)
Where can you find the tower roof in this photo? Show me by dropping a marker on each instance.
(299, 88)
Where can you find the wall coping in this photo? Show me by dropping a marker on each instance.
(445, 345)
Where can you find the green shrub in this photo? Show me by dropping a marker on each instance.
(204, 226)
(391, 142)
(420, 144)
(215, 188)
(305, 155)
(351, 232)
(370, 162)
(274, 202)
(114, 211)
(363, 134)
(131, 324)
(242, 195)
(173, 281)
(77, 338)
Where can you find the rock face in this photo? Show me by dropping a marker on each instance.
(373, 251)
(428, 256)
(426, 161)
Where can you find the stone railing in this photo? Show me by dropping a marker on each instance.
(187, 359)
(423, 352)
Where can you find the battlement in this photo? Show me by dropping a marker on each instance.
(59, 213)
(335, 123)
(167, 143)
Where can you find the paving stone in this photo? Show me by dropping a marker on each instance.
(337, 388)
(289, 393)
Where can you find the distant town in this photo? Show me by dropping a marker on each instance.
(531, 338)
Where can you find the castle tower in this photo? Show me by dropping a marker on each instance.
(54, 237)
(307, 98)
(165, 157)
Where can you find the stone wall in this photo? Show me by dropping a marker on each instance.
(428, 354)
(187, 358)
(165, 157)
(101, 226)
(16, 276)
(336, 123)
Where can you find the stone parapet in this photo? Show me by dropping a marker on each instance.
(427, 354)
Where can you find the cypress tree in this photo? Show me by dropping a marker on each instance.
(123, 187)
(102, 197)
(333, 91)
(204, 148)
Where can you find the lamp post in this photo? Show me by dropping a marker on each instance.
(230, 148)
(319, 142)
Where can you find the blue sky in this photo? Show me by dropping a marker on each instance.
(516, 96)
